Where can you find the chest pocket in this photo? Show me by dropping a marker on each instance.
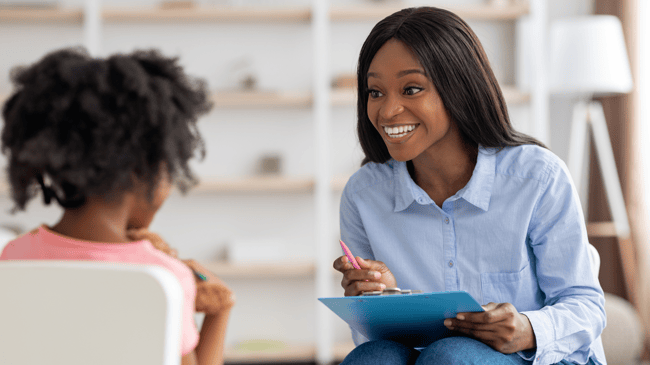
(518, 288)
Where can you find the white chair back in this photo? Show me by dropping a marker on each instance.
(79, 312)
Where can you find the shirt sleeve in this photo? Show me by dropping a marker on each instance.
(354, 235)
(573, 315)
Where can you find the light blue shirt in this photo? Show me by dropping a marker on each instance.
(514, 234)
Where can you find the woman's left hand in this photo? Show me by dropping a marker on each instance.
(500, 327)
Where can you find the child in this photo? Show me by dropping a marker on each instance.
(450, 197)
(107, 139)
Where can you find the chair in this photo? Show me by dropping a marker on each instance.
(76, 312)
(623, 336)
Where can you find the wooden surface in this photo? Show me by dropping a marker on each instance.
(37, 15)
(227, 270)
(290, 353)
(270, 184)
(478, 12)
(201, 14)
(248, 13)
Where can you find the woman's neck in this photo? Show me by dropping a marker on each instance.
(96, 221)
(443, 174)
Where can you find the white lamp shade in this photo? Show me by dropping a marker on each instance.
(588, 56)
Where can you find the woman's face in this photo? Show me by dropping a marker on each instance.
(404, 106)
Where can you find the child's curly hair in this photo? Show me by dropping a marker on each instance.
(85, 127)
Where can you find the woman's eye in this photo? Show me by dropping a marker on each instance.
(374, 93)
(412, 90)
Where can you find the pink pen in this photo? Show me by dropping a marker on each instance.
(349, 255)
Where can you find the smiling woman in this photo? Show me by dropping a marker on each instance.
(451, 198)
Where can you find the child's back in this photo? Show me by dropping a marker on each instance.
(107, 139)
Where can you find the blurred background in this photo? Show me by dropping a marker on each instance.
(281, 140)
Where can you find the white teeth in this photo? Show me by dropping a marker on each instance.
(401, 131)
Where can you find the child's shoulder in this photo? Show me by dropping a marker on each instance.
(174, 265)
(527, 161)
(16, 248)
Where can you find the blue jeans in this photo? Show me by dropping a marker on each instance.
(450, 350)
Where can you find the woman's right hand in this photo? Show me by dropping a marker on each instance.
(373, 276)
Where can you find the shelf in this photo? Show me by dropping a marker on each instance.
(205, 13)
(271, 184)
(514, 96)
(290, 353)
(258, 99)
(38, 15)
(244, 185)
(338, 96)
(247, 13)
(475, 12)
(227, 270)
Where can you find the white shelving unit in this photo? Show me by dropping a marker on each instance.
(321, 16)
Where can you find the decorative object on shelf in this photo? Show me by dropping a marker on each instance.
(37, 4)
(270, 164)
(261, 345)
(589, 58)
(177, 4)
(241, 75)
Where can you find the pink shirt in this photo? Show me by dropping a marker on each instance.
(44, 244)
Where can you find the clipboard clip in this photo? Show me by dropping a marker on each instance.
(390, 291)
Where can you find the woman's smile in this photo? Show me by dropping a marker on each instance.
(399, 133)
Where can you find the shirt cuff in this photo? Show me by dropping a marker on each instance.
(544, 336)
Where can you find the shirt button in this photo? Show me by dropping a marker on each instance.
(420, 200)
(451, 263)
(446, 220)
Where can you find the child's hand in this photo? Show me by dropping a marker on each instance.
(212, 295)
(373, 276)
(500, 327)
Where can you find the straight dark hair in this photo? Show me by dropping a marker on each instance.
(455, 61)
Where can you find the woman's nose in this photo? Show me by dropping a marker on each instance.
(391, 107)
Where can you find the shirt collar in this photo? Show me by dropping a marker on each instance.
(477, 192)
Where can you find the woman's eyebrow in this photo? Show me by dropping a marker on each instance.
(401, 73)
(410, 71)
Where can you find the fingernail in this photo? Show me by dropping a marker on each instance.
(382, 286)
(461, 317)
(377, 275)
(447, 322)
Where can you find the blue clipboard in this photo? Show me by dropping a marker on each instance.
(416, 320)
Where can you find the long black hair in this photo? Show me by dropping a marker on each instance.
(455, 61)
(78, 127)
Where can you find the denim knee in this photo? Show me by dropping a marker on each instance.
(381, 352)
(465, 351)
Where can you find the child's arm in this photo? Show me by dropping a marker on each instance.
(189, 359)
(215, 299)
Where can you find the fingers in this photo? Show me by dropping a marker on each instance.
(493, 313)
(342, 264)
(500, 327)
(356, 281)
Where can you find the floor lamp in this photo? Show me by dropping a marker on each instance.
(589, 58)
